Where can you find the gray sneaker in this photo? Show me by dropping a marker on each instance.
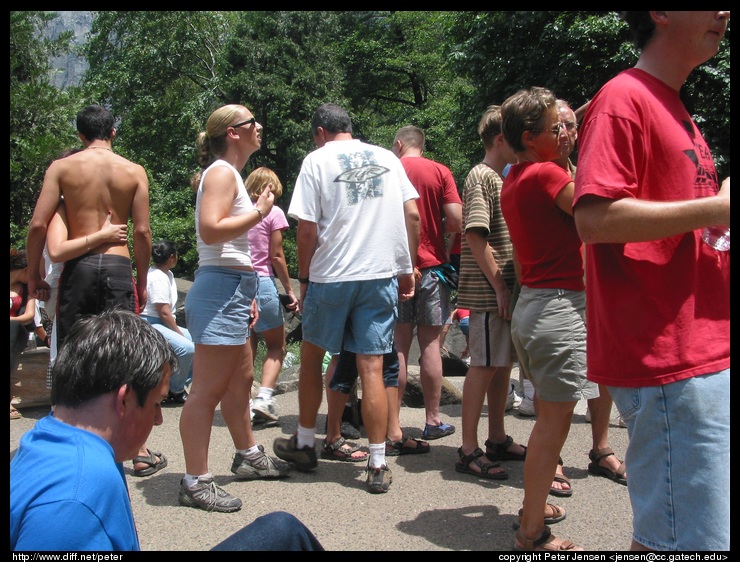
(262, 467)
(208, 495)
(264, 409)
(379, 479)
(304, 459)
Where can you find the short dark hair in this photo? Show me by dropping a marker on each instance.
(332, 118)
(95, 122)
(641, 25)
(162, 251)
(105, 351)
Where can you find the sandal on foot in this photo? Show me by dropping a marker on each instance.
(500, 451)
(406, 446)
(341, 450)
(153, 466)
(486, 468)
(596, 469)
(545, 542)
(15, 414)
(553, 514)
(559, 492)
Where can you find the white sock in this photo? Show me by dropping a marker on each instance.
(191, 480)
(305, 437)
(251, 453)
(265, 392)
(377, 455)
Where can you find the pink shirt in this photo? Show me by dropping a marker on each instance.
(259, 240)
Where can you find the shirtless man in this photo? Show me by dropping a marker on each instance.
(93, 182)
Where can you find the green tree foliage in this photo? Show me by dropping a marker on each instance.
(573, 53)
(397, 73)
(40, 114)
(159, 73)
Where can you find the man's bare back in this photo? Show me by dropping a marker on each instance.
(93, 182)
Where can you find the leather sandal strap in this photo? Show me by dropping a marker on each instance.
(596, 456)
(467, 459)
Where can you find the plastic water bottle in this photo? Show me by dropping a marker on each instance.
(31, 341)
(717, 237)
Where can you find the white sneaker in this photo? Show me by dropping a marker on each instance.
(264, 408)
(526, 408)
(513, 400)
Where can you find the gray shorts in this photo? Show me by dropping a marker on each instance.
(431, 304)
(548, 329)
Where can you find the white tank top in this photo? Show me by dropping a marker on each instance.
(234, 253)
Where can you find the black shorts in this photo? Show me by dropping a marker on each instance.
(91, 284)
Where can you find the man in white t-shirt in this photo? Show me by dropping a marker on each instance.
(358, 230)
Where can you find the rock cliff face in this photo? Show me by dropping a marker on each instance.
(69, 69)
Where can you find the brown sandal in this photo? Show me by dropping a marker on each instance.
(563, 479)
(487, 470)
(342, 450)
(545, 542)
(620, 476)
(553, 514)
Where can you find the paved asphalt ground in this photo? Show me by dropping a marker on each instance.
(429, 507)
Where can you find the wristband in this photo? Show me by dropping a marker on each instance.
(303, 280)
(260, 212)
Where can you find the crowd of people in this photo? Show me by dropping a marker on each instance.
(557, 272)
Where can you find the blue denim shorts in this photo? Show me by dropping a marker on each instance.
(346, 372)
(271, 311)
(217, 308)
(678, 462)
(360, 313)
(548, 329)
(431, 304)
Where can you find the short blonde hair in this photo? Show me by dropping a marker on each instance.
(258, 179)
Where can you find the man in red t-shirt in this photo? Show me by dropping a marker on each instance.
(658, 307)
(429, 309)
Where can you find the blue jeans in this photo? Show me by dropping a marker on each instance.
(218, 305)
(271, 311)
(678, 462)
(357, 315)
(183, 347)
(275, 531)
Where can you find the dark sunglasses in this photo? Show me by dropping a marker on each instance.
(250, 121)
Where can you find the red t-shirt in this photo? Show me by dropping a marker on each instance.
(545, 238)
(436, 187)
(460, 313)
(657, 311)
